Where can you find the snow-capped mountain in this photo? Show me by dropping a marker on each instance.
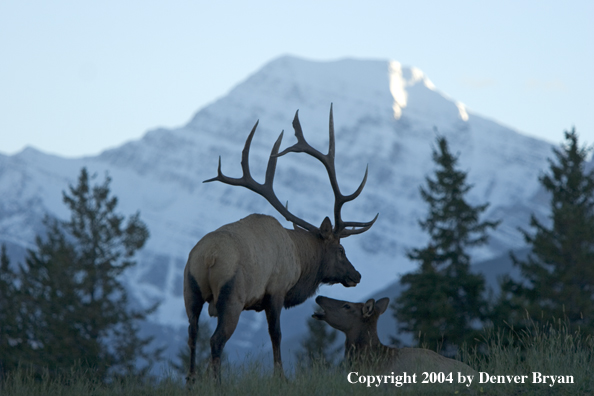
(386, 116)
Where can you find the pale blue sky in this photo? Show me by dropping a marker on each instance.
(77, 77)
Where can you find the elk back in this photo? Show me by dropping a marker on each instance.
(255, 253)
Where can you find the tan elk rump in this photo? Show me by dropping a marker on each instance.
(256, 264)
(362, 346)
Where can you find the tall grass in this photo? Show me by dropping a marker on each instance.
(548, 349)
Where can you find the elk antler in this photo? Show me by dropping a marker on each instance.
(340, 227)
(265, 190)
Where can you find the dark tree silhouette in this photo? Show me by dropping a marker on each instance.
(443, 301)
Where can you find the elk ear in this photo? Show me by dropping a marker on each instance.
(368, 308)
(326, 228)
(382, 304)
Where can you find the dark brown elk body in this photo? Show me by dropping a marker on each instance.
(362, 346)
(256, 264)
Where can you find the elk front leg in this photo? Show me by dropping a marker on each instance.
(273, 310)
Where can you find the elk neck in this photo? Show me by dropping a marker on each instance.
(364, 345)
(309, 254)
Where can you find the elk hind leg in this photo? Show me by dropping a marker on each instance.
(194, 302)
(229, 306)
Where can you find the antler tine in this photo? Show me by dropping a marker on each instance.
(246, 180)
(302, 146)
(357, 192)
(245, 154)
(218, 173)
(340, 226)
(265, 190)
(328, 160)
(271, 168)
(362, 227)
(331, 142)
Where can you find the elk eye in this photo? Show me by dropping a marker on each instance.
(346, 306)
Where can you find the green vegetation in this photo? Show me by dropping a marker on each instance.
(558, 275)
(9, 326)
(443, 301)
(550, 349)
(318, 347)
(66, 305)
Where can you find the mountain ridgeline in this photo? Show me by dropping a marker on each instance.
(386, 116)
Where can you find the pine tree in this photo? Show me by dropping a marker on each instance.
(443, 301)
(318, 347)
(76, 307)
(559, 272)
(10, 329)
(52, 306)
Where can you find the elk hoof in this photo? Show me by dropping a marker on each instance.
(190, 380)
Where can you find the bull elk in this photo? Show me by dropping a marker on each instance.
(358, 321)
(256, 264)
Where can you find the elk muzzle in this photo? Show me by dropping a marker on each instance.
(352, 278)
(352, 281)
(336, 313)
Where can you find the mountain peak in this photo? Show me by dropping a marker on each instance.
(414, 93)
(385, 116)
(360, 88)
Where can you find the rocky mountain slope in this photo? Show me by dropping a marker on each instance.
(386, 116)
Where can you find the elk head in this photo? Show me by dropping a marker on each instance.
(351, 318)
(337, 268)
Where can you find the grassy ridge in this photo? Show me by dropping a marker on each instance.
(549, 350)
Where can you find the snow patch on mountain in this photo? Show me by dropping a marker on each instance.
(386, 117)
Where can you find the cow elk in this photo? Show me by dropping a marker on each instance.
(358, 321)
(256, 264)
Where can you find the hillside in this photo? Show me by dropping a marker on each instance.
(386, 116)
